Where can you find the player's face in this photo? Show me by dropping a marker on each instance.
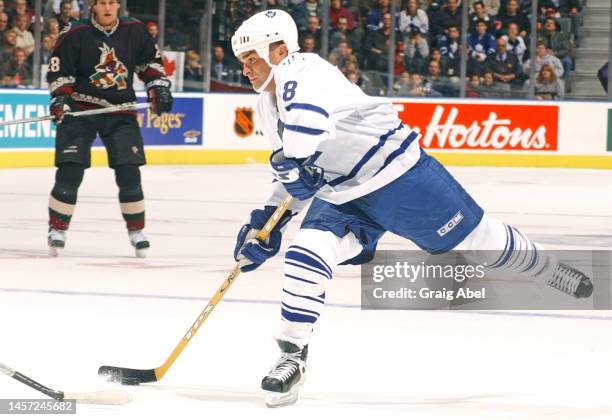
(106, 12)
(255, 68)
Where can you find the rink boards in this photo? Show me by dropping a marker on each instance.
(221, 128)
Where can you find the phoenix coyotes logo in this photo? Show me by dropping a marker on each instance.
(110, 72)
(243, 124)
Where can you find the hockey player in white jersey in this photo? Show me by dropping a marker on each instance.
(365, 174)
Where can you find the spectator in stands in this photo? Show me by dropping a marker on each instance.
(512, 14)
(480, 45)
(449, 48)
(3, 22)
(313, 30)
(341, 33)
(353, 77)
(19, 8)
(9, 40)
(64, 17)
(437, 81)
(422, 87)
(491, 6)
(376, 46)
(375, 16)
(52, 28)
(472, 90)
(3, 7)
(543, 57)
(547, 86)
(25, 39)
(305, 10)
(402, 87)
(435, 15)
(341, 56)
(336, 10)
(417, 51)
(412, 18)
(52, 8)
(46, 49)
(451, 14)
(222, 68)
(504, 65)
(308, 45)
(480, 13)
(444, 63)
(492, 89)
(17, 68)
(153, 30)
(571, 9)
(516, 43)
(557, 43)
(194, 72)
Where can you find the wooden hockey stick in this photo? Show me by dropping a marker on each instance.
(129, 376)
(117, 397)
(89, 112)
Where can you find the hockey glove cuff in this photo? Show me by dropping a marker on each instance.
(251, 252)
(60, 105)
(301, 179)
(160, 96)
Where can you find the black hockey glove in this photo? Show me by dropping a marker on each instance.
(59, 105)
(159, 94)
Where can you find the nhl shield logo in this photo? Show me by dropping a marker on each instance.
(244, 124)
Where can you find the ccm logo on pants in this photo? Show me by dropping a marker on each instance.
(450, 225)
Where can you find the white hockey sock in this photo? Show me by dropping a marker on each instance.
(517, 253)
(309, 262)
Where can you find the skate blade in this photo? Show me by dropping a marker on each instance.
(54, 252)
(141, 253)
(279, 399)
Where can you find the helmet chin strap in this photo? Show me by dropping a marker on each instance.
(265, 54)
(267, 82)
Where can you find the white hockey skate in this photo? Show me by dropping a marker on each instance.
(140, 242)
(286, 376)
(567, 279)
(56, 239)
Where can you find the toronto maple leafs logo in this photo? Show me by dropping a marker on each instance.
(110, 72)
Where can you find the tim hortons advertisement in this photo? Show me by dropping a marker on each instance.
(461, 126)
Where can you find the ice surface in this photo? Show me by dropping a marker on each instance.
(97, 304)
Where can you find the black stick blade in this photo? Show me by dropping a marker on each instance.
(127, 376)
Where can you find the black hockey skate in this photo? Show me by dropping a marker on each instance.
(569, 280)
(286, 376)
(56, 239)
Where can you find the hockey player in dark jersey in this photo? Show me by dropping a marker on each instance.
(93, 66)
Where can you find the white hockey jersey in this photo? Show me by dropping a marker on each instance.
(357, 139)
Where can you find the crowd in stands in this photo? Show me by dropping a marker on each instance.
(426, 50)
(427, 43)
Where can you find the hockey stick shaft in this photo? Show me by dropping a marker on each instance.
(89, 112)
(58, 395)
(262, 236)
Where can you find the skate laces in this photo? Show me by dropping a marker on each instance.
(286, 366)
(565, 278)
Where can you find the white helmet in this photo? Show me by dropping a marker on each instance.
(262, 29)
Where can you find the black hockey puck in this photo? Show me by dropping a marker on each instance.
(130, 381)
